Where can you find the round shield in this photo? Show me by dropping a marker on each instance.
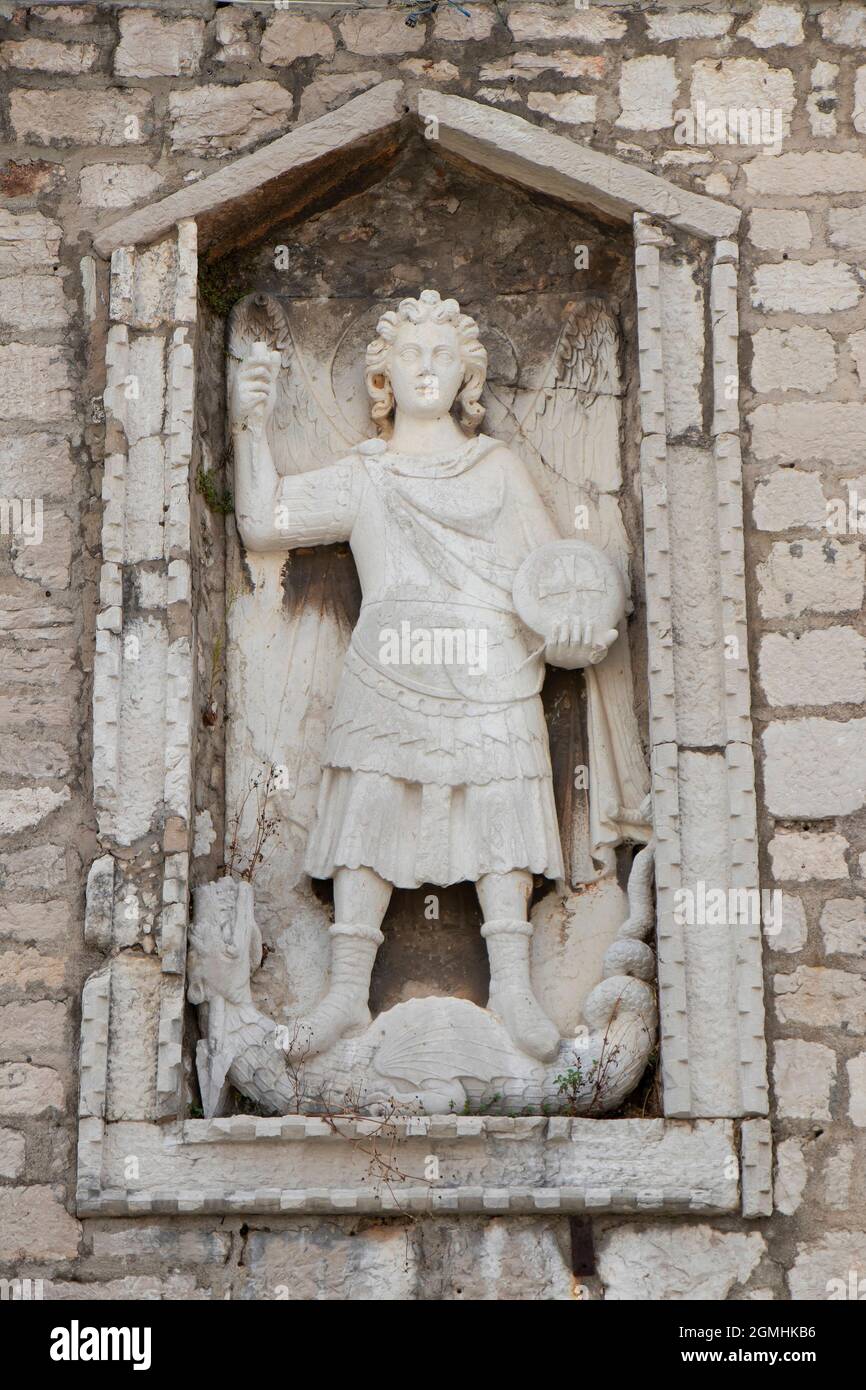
(569, 579)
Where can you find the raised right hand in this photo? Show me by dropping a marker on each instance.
(254, 389)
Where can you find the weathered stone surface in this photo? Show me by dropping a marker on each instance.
(34, 1225)
(772, 25)
(41, 55)
(81, 118)
(803, 1077)
(814, 668)
(787, 498)
(36, 1029)
(843, 926)
(33, 870)
(49, 562)
(570, 107)
(816, 171)
(181, 1245)
(458, 28)
(25, 178)
(823, 1268)
(234, 36)
(33, 302)
(12, 1150)
(543, 22)
(288, 37)
(660, 1260)
(117, 185)
(856, 1068)
(815, 767)
(379, 1262)
(820, 288)
(792, 934)
(21, 968)
(34, 384)
(527, 64)
(134, 1027)
(327, 92)
(822, 101)
(737, 83)
(430, 71)
(848, 228)
(835, 430)
(820, 998)
(791, 1176)
(43, 924)
(36, 465)
(484, 1259)
(779, 229)
(687, 24)
(793, 359)
(844, 25)
(647, 91)
(141, 1288)
(154, 45)
(380, 34)
(837, 1176)
(28, 242)
(857, 346)
(213, 120)
(811, 576)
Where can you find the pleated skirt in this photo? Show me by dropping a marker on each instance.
(423, 793)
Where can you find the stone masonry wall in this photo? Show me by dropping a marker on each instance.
(104, 107)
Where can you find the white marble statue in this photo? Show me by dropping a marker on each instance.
(436, 766)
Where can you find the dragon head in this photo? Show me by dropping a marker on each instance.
(225, 943)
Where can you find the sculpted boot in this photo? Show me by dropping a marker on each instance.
(345, 1006)
(511, 996)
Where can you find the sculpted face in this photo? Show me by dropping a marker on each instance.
(426, 369)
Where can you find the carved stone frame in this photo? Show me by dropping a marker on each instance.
(709, 1154)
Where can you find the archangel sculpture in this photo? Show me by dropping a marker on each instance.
(436, 767)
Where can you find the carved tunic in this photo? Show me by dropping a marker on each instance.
(437, 766)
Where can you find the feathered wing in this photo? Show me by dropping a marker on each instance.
(568, 431)
(289, 619)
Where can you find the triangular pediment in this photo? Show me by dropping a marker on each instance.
(342, 149)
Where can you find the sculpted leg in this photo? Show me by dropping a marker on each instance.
(361, 899)
(504, 902)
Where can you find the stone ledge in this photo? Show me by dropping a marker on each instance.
(485, 1164)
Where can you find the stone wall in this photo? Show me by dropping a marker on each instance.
(106, 107)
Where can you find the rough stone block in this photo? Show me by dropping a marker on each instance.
(793, 359)
(811, 576)
(814, 668)
(34, 1225)
(803, 1077)
(215, 121)
(154, 45)
(788, 498)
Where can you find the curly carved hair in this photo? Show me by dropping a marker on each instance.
(428, 306)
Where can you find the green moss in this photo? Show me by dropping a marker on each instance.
(217, 497)
(222, 283)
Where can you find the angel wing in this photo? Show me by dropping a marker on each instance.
(567, 429)
(289, 619)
